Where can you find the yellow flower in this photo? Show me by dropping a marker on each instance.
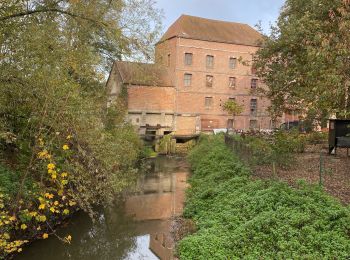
(72, 203)
(12, 218)
(68, 239)
(51, 166)
(66, 211)
(19, 250)
(54, 176)
(41, 142)
(43, 154)
(65, 147)
(69, 137)
(52, 209)
(64, 182)
(23, 226)
(45, 235)
(48, 195)
(42, 218)
(42, 206)
(55, 203)
(33, 214)
(64, 174)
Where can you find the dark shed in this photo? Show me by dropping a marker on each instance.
(339, 134)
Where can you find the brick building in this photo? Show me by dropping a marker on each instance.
(199, 65)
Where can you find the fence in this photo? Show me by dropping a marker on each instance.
(321, 168)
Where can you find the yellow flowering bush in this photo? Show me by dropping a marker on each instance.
(33, 219)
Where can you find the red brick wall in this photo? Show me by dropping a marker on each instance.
(147, 99)
(192, 99)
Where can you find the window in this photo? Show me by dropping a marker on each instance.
(209, 81)
(254, 60)
(230, 123)
(188, 59)
(253, 106)
(254, 83)
(168, 60)
(232, 82)
(232, 63)
(208, 102)
(253, 124)
(210, 61)
(187, 79)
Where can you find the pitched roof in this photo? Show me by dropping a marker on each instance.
(145, 74)
(198, 28)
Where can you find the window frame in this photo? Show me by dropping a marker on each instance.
(253, 107)
(207, 83)
(234, 64)
(209, 65)
(188, 54)
(187, 81)
(206, 105)
(169, 60)
(254, 83)
(234, 82)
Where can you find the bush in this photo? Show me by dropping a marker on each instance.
(239, 218)
(317, 137)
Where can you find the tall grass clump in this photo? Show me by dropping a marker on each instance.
(238, 218)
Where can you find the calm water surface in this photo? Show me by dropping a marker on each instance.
(138, 228)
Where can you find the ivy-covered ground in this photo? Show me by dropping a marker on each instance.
(241, 218)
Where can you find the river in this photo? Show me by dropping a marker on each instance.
(137, 228)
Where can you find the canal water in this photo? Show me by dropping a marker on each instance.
(137, 228)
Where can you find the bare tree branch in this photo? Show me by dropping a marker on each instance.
(47, 10)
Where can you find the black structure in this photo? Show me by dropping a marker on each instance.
(339, 134)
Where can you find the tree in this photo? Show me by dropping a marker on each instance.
(55, 131)
(305, 59)
(233, 108)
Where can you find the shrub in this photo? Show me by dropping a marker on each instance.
(237, 217)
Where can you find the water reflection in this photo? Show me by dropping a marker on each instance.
(138, 228)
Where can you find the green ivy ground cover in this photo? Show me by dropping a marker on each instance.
(238, 218)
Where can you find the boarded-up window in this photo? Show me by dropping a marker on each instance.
(254, 83)
(253, 106)
(188, 59)
(187, 79)
(232, 82)
(209, 124)
(232, 63)
(253, 124)
(210, 61)
(230, 123)
(209, 81)
(208, 102)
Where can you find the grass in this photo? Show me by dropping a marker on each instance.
(238, 218)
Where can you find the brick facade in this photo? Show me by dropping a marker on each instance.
(184, 109)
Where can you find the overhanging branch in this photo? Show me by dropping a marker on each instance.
(47, 10)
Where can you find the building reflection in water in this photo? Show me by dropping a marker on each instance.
(160, 196)
(130, 230)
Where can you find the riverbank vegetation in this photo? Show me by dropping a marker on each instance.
(237, 217)
(61, 147)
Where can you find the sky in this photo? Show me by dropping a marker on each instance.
(242, 11)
